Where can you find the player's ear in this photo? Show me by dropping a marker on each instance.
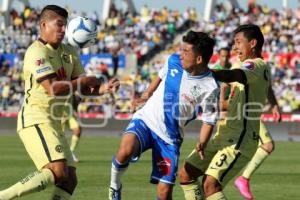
(199, 59)
(253, 43)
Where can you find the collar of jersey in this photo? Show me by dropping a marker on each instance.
(198, 76)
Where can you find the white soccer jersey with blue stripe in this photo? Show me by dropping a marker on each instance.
(178, 100)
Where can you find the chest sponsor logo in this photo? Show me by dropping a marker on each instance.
(164, 166)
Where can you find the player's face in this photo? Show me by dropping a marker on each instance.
(187, 56)
(242, 46)
(224, 57)
(54, 29)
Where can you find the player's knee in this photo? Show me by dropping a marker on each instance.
(268, 147)
(59, 170)
(210, 185)
(188, 173)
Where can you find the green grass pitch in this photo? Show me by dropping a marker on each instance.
(277, 179)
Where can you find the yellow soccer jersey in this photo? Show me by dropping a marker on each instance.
(245, 102)
(42, 60)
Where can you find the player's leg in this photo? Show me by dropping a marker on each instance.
(226, 163)
(266, 147)
(192, 169)
(130, 147)
(164, 166)
(43, 146)
(76, 134)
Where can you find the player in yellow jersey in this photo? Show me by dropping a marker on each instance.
(236, 140)
(52, 72)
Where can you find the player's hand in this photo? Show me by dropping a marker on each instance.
(200, 149)
(276, 113)
(110, 87)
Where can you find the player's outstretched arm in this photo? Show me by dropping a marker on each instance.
(228, 76)
(223, 101)
(138, 102)
(60, 88)
(205, 134)
(110, 87)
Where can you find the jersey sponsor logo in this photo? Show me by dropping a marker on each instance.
(40, 61)
(164, 165)
(249, 65)
(44, 69)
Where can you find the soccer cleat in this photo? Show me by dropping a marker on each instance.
(114, 194)
(242, 184)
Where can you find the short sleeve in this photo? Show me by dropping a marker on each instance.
(210, 109)
(37, 62)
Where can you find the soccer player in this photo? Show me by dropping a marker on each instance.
(184, 88)
(52, 72)
(236, 139)
(224, 56)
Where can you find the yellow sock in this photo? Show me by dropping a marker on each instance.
(34, 182)
(74, 142)
(192, 191)
(60, 194)
(217, 196)
(255, 162)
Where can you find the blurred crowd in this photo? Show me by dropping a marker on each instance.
(152, 32)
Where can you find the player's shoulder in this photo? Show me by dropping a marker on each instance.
(69, 48)
(254, 64)
(36, 48)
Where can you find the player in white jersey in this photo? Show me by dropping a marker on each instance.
(185, 87)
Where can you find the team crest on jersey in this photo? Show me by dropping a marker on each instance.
(164, 165)
(66, 58)
(40, 61)
(195, 91)
(249, 65)
(58, 148)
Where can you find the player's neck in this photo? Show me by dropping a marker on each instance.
(44, 41)
(199, 70)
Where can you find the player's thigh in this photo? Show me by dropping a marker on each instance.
(45, 143)
(194, 158)
(264, 135)
(165, 159)
(225, 164)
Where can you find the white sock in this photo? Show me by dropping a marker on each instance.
(117, 170)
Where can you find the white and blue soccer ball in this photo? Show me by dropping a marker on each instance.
(81, 32)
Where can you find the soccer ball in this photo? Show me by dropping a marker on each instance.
(81, 32)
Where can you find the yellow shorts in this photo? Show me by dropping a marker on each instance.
(46, 143)
(264, 134)
(225, 155)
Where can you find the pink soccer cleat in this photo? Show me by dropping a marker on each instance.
(242, 184)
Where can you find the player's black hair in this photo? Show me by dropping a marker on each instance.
(54, 8)
(252, 31)
(202, 43)
(224, 48)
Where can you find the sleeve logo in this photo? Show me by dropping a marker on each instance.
(249, 65)
(44, 69)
